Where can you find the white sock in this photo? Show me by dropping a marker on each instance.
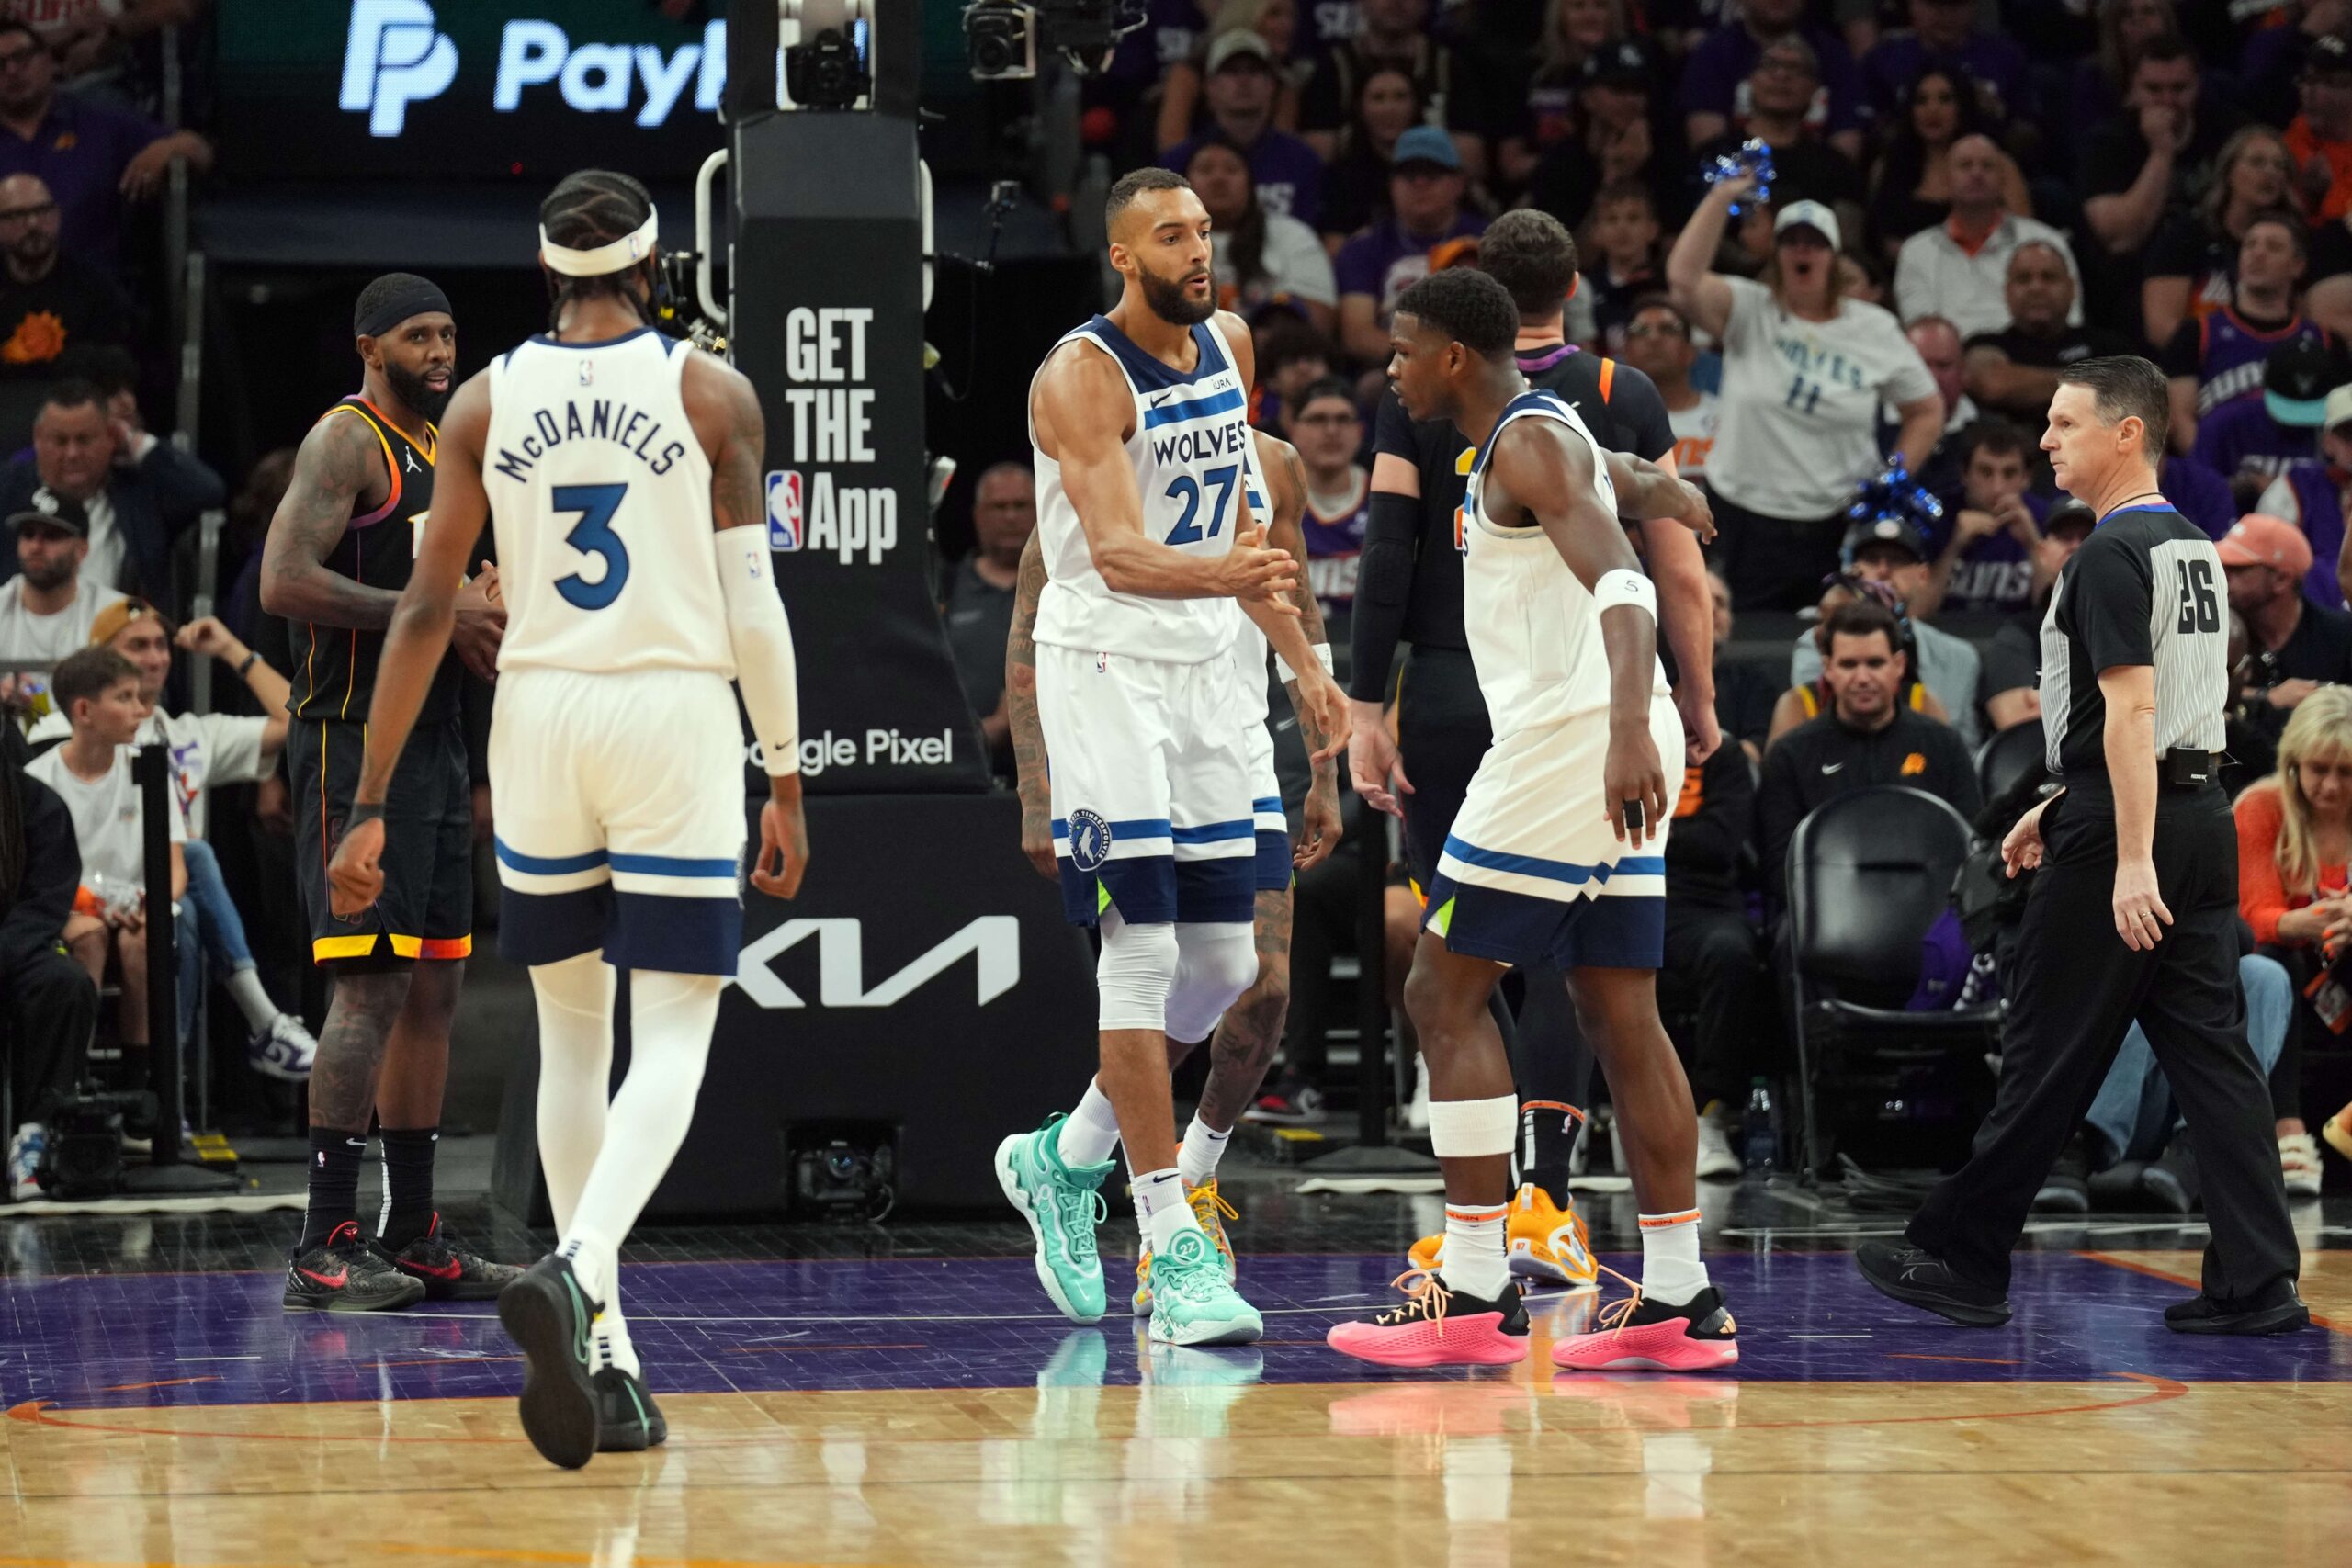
(1475, 1260)
(671, 1017)
(1091, 1131)
(595, 1263)
(245, 988)
(1160, 1208)
(1672, 1272)
(575, 1002)
(1203, 1147)
(613, 1342)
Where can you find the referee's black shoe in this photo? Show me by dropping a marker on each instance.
(1918, 1278)
(2279, 1311)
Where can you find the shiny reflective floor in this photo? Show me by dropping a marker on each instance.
(906, 1395)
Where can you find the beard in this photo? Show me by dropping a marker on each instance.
(52, 573)
(416, 392)
(1170, 302)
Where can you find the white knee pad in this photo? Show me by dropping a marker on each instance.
(1135, 974)
(1214, 963)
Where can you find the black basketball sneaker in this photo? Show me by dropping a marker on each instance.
(627, 1421)
(550, 1317)
(449, 1270)
(1918, 1278)
(346, 1275)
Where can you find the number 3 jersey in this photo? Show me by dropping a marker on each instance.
(1190, 450)
(601, 497)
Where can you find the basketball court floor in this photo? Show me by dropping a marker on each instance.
(906, 1395)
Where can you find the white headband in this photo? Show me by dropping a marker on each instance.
(625, 252)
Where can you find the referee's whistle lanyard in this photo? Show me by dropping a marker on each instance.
(2147, 501)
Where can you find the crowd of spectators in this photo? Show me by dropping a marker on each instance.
(1966, 196)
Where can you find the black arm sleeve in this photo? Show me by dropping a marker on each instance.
(1384, 589)
(1707, 842)
(53, 871)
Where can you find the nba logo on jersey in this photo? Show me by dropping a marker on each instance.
(783, 510)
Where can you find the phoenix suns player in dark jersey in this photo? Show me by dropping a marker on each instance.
(337, 557)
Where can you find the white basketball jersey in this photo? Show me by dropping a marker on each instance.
(1534, 632)
(1190, 447)
(601, 497)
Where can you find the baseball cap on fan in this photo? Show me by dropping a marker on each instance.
(1896, 530)
(2070, 516)
(1236, 44)
(2327, 55)
(2296, 380)
(1813, 215)
(48, 509)
(2258, 539)
(1425, 145)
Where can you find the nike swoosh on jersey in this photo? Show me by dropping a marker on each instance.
(1161, 398)
(1831, 767)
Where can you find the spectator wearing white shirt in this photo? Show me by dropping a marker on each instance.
(46, 610)
(1261, 258)
(1959, 269)
(208, 749)
(1805, 370)
(98, 689)
(1657, 344)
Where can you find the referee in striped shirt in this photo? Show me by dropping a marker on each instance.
(2134, 913)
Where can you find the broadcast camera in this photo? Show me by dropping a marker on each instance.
(1004, 38)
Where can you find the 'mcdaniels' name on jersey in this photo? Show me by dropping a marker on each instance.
(591, 419)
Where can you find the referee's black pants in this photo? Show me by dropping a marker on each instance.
(2077, 991)
(1442, 733)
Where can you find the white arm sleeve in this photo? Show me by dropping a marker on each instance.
(763, 637)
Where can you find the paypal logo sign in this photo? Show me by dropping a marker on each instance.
(396, 55)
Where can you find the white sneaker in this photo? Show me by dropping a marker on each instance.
(284, 1051)
(26, 1150)
(1718, 1160)
(2299, 1163)
(1416, 1114)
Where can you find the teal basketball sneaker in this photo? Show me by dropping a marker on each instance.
(1191, 1300)
(1063, 1205)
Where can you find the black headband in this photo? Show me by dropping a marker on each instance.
(411, 296)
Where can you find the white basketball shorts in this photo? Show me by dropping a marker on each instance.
(1533, 872)
(621, 811)
(1152, 792)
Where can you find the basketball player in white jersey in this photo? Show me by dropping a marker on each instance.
(1555, 860)
(1140, 422)
(624, 470)
(1245, 1039)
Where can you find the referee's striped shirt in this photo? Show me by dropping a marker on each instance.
(2145, 587)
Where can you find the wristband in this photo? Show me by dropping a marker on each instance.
(1282, 669)
(1623, 587)
(363, 811)
(252, 657)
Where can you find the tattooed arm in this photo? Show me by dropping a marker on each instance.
(1021, 708)
(1286, 478)
(339, 462)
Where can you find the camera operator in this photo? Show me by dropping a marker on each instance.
(48, 1006)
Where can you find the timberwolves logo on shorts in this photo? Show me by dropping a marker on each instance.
(1090, 840)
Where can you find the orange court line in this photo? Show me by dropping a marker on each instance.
(2153, 1272)
(166, 1383)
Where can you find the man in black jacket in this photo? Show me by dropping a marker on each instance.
(48, 1006)
(141, 493)
(1867, 738)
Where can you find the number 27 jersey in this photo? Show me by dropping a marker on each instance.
(1190, 448)
(600, 495)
